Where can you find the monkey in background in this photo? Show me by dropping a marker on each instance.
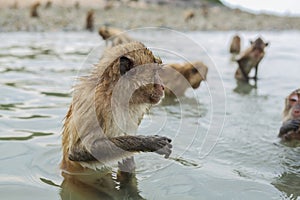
(250, 59)
(179, 77)
(90, 20)
(235, 46)
(114, 36)
(291, 117)
(188, 15)
(34, 10)
(48, 4)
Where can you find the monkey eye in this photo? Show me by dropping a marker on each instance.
(194, 71)
(293, 98)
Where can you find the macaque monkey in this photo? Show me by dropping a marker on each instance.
(34, 9)
(114, 36)
(291, 117)
(188, 15)
(100, 125)
(77, 5)
(204, 9)
(90, 20)
(250, 59)
(235, 46)
(48, 4)
(179, 77)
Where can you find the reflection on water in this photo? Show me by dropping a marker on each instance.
(289, 183)
(37, 72)
(100, 185)
(243, 87)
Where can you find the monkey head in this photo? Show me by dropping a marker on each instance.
(134, 75)
(258, 47)
(144, 79)
(237, 39)
(104, 33)
(235, 46)
(194, 73)
(292, 106)
(107, 32)
(290, 128)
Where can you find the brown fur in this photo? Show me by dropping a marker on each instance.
(190, 75)
(235, 46)
(250, 59)
(188, 15)
(34, 9)
(91, 135)
(114, 36)
(90, 20)
(292, 104)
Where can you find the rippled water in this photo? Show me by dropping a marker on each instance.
(37, 71)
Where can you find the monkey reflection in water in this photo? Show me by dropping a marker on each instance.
(99, 129)
(290, 129)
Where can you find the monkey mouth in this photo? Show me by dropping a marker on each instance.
(155, 98)
(196, 85)
(296, 113)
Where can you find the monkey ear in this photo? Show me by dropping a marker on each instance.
(125, 65)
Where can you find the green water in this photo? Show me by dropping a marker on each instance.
(248, 161)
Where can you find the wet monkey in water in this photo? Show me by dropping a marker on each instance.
(250, 59)
(92, 136)
(291, 117)
(235, 46)
(99, 132)
(34, 9)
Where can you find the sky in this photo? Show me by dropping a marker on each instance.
(280, 7)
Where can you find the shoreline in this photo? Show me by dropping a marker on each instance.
(67, 17)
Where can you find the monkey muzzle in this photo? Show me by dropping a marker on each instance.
(296, 111)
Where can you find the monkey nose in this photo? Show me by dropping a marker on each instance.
(296, 112)
(159, 86)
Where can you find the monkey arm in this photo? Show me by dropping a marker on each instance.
(290, 125)
(105, 149)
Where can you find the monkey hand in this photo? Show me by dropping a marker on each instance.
(159, 144)
(290, 125)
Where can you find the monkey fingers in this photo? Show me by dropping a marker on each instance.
(290, 125)
(292, 135)
(160, 145)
